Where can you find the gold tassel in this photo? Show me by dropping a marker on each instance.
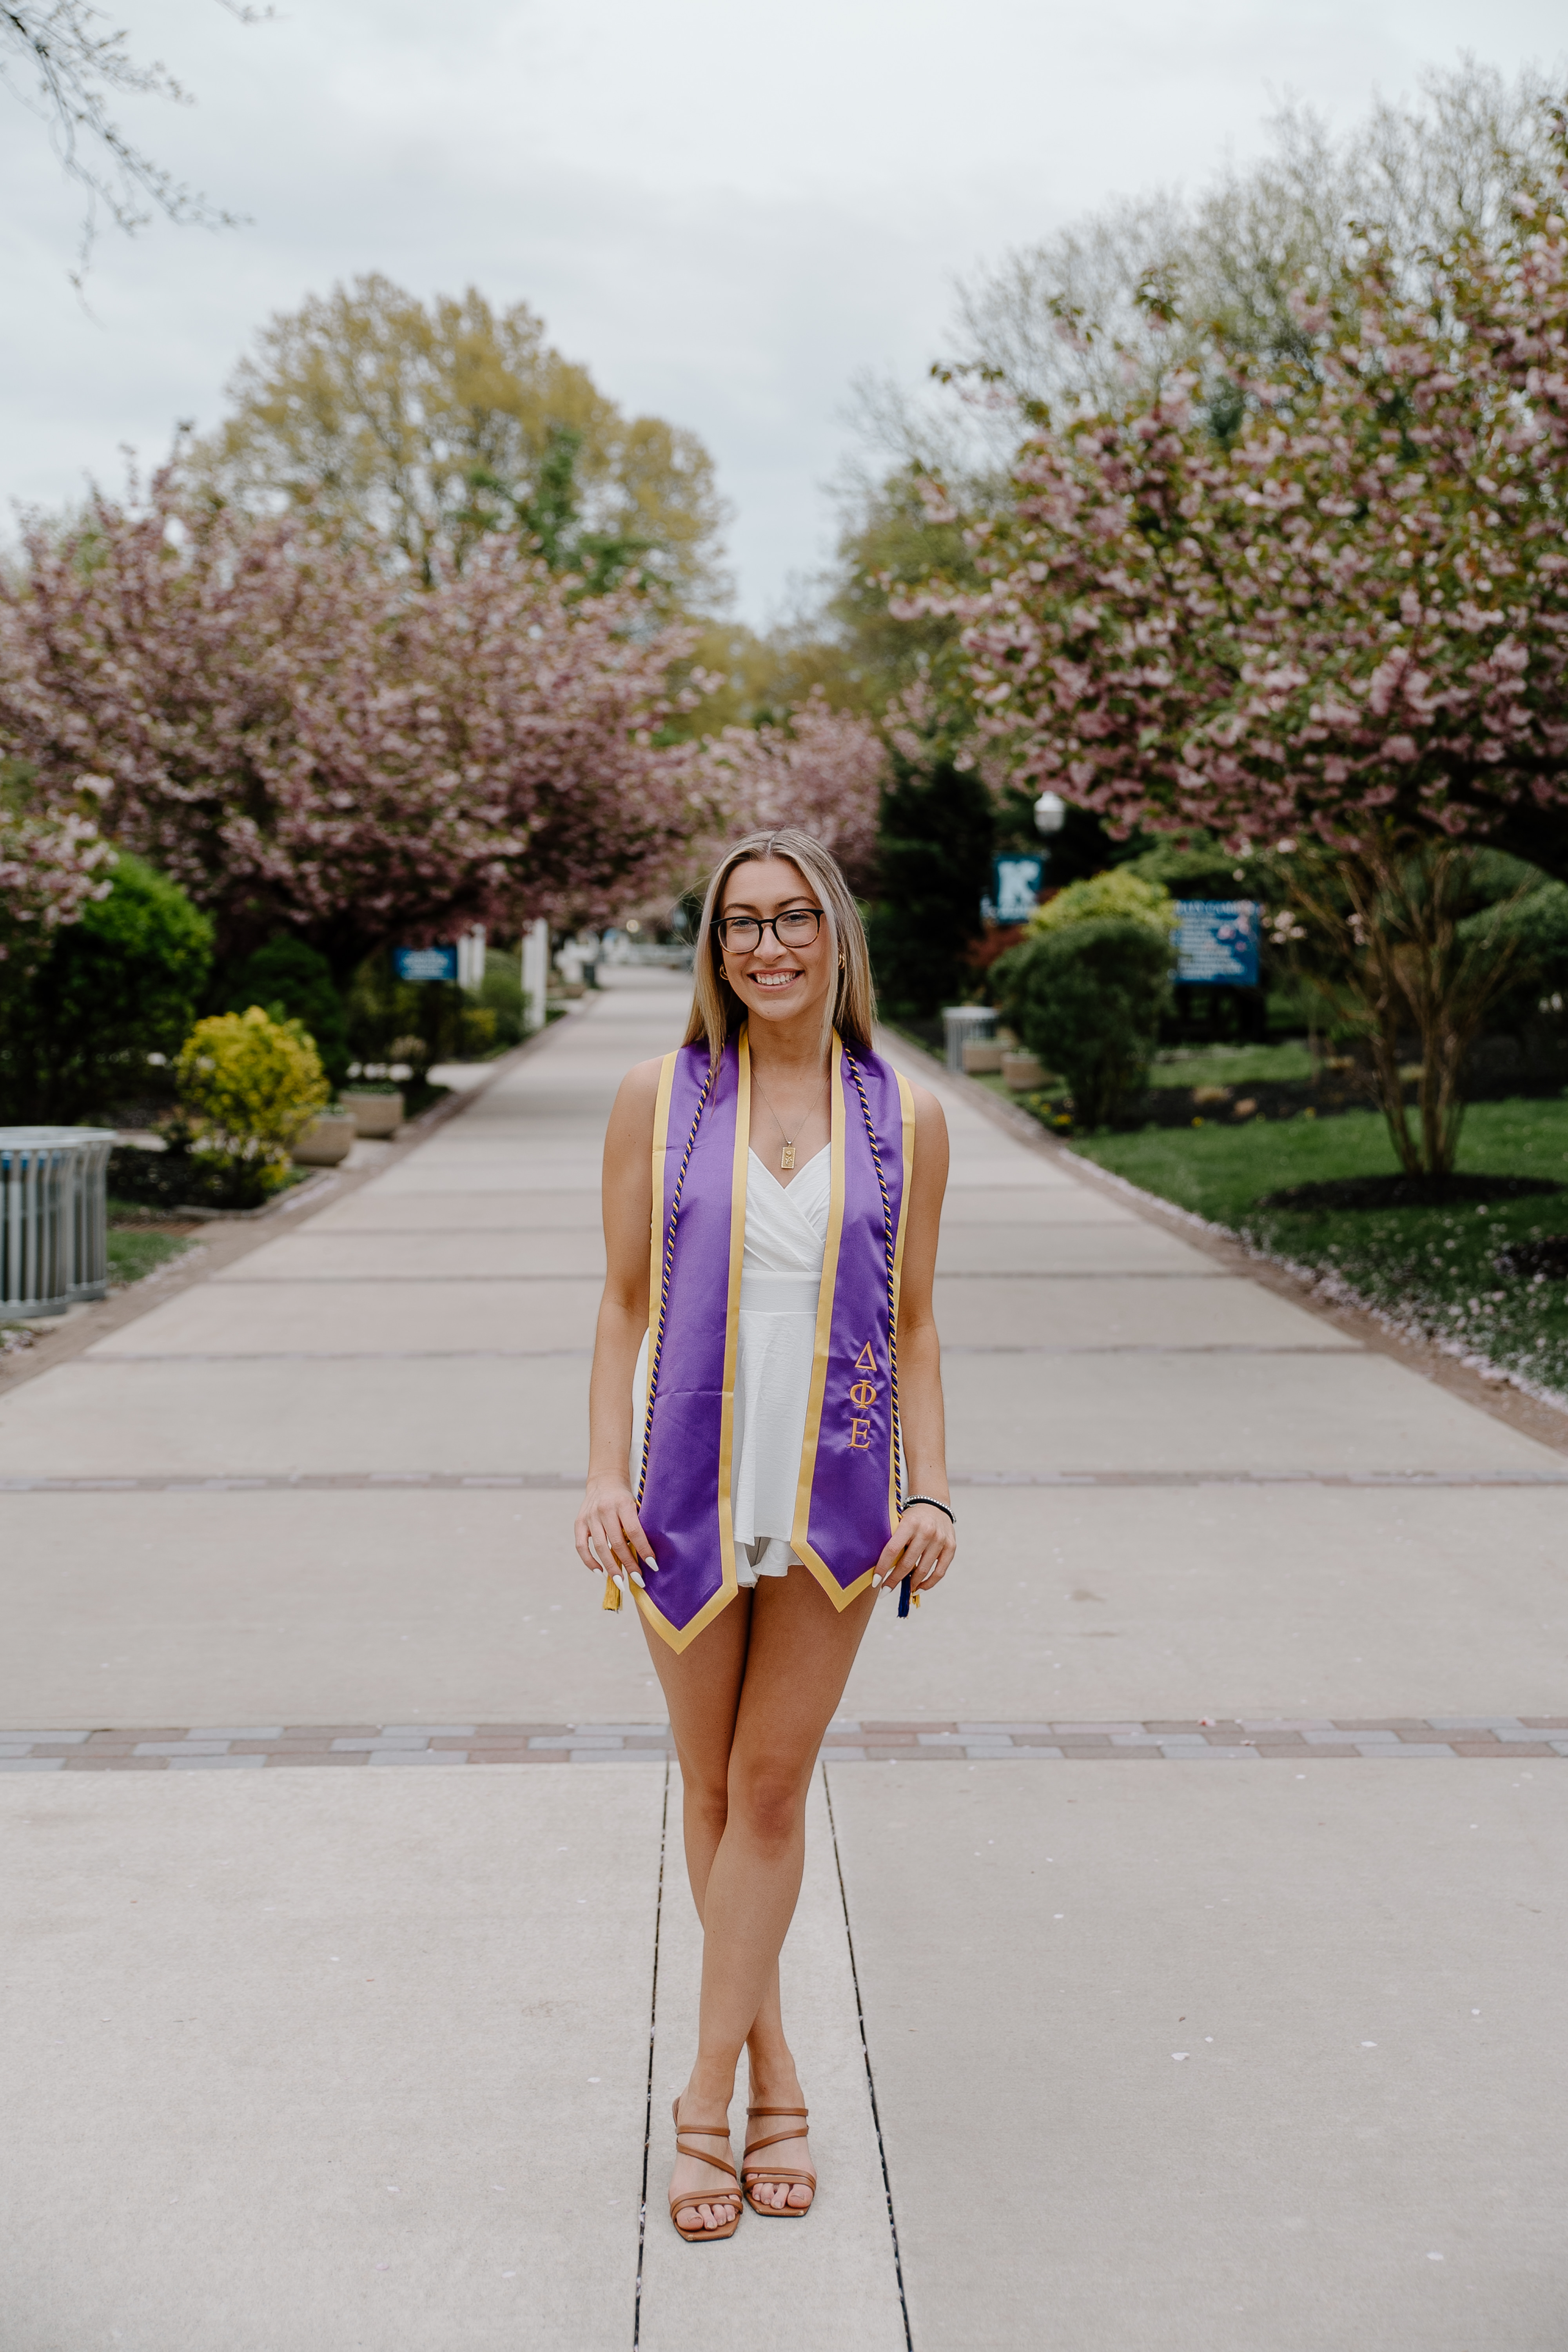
(612, 1599)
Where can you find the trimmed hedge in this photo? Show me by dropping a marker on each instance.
(1088, 1000)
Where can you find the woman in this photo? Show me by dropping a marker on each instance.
(792, 1183)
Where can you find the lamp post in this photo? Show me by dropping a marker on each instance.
(1050, 815)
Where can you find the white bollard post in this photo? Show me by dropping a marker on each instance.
(535, 973)
(471, 957)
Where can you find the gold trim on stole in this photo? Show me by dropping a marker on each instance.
(906, 1111)
(656, 1213)
(654, 1259)
(816, 1396)
(679, 1637)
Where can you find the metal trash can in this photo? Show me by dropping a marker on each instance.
(54, 1217)
(964, 1025)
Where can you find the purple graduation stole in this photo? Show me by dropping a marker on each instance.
(846, 1496)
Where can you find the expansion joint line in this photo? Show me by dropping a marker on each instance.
(870, 2077)
(652, 2032)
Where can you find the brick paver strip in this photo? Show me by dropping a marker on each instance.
(164, 1747)
(359, 1481)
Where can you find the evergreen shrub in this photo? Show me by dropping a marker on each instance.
(124, 982)
(1087, 998)
(293, 981)
(1119, 896)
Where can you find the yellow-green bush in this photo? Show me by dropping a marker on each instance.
(1117, 897)
(250, 1085)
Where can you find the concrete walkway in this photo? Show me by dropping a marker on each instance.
(340, 1848)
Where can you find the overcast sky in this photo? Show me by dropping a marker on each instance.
(727, 209)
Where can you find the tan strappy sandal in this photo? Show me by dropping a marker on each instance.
(706, 2196)
(752, 2173)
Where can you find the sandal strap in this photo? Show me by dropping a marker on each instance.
(773, 2141)
(700, 2156)
(778, 2111)
(680, 2205)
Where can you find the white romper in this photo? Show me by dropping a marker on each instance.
(780, 1273)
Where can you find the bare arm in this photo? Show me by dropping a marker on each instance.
(607, 1532)
(922, 1545)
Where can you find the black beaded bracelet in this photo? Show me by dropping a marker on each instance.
(934, 1504)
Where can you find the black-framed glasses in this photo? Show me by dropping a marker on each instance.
(742, 934)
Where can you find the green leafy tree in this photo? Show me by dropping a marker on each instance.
(293, 981)
(429, 426)
(121, 981)
(892, 539)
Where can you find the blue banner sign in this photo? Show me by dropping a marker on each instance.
(1014, 888)
(1217, 942)
(426, 963)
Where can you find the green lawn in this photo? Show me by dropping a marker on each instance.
(1430, 1267)
(1233, 1066)
(132, 1252)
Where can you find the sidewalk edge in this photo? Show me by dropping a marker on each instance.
(224, 1243)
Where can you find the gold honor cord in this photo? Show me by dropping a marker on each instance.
(904, 1595)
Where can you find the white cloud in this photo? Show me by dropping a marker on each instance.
(728, 212)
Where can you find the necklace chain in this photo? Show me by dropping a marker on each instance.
(786, 1154)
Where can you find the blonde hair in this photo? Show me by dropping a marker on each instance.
(717, 1012)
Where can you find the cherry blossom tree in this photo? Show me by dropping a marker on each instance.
(822, 770)
(303, 740)
(1345, 626)
(54, 861)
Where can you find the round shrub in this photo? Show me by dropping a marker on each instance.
(122, 982)
(1117, 896)
(1088, 999)
(250, 1085)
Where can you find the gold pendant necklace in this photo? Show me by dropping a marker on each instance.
(786, 1154)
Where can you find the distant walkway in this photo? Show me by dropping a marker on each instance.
(332, 1947)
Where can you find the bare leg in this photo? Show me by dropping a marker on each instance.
(702, 1690)
(749, 1705)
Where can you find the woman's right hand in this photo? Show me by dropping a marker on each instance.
(608, 1535)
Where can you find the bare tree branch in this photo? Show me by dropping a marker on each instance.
(64, 62)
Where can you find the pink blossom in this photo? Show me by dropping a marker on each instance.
(1323, 617)
(823, 772)
(300, 737)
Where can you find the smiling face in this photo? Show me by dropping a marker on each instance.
(777, 982)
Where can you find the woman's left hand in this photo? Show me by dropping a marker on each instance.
(921, 1547)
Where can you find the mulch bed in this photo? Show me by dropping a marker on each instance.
(1411, 1193)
